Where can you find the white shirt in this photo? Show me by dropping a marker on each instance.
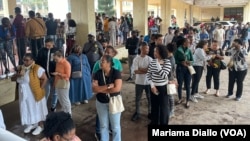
(219, 34)
(141, 62)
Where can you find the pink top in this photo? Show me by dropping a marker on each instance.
(74, 139)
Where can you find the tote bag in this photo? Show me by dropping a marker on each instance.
(171, 89)
(191, 70)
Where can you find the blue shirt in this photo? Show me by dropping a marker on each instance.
(5, 31)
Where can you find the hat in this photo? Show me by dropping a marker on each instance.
(91, 34)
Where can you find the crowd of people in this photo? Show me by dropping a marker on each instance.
(75, 75)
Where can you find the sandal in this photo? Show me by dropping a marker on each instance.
(187, 105)
(180, 101)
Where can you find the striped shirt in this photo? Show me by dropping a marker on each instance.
(158, 73)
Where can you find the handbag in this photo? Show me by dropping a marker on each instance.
(115, 102)
(77, 74)
(230, 63)
(62, 84)
(171, 89)
(191, 70)
(223, 65)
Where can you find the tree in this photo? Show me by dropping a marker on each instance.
(106, 6)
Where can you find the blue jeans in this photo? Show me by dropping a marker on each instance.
(105, 117)
(50, 89)
(183, 74)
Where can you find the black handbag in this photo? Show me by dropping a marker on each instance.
(223, 65)
(77, 74)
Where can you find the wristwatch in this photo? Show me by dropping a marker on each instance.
(108, 86)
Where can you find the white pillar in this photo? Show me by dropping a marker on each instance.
(140, 10)
(83, 12)
(118, 8)
(222, 13)
(9, 6)
(165, 15)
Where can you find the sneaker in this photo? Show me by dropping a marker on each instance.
(135, 117)
(98, 136)
(217, 94)
(171, 114)
(197, 95)
(237, 98)
(77, 103)
(37, 131)
(29, 128)
(228, 96)
(85, 101)
(10, 74)
(3, 76)
(193, 99)
(129, 79)
(52, 109)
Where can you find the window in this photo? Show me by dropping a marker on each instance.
(235, 13)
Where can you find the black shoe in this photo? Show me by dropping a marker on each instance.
(129, 79)
(135, 117)
(150, 116)
(98, 136)
(52, 109)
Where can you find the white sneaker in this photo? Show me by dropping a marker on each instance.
(10, 74)
(37, 131)
(3, 76)
(197, 95)
(29, 128)
(193, 99)
(207, 91)
(77, 103)
(85, 101)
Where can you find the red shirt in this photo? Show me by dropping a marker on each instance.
(19, 25)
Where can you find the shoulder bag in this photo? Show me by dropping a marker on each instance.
(115, 102)
(77, 74)
(171, 89)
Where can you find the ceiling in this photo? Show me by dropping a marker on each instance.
(218, 3)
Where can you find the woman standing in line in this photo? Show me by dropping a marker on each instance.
(238, 69)
(107, 83)
(157, 75)
(200, 59)
(63, 70)
(32, 101)
(213, 67)
(80, 88)
(183, 58)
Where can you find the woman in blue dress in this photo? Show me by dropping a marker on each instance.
(80, 88)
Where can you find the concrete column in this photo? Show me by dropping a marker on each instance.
(191, 7)
(9, 6)
(118, 8)
(222, 13)
(83, 12)
(165, 15)
(140, 12)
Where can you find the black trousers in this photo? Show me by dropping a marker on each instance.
(215, 73)
(238, 77)
(196, 79)
(36, 45)
(160, 106)
(21, 49)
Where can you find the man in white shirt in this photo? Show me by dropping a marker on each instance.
(140, 66)
(219, 35)
(169, 36)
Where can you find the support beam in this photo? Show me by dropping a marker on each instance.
(140, 12)
(118, 8)
(165, 15)
(191, 14)
(83, 12)
(222, 13)
(9, 6)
